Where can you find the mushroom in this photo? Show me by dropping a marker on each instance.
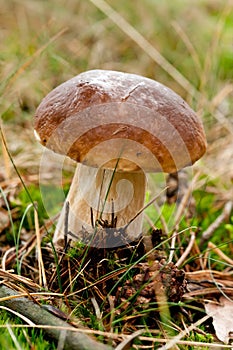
(118, 127)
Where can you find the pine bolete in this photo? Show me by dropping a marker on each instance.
(118, 127)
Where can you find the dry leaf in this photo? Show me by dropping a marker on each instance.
(222, 314)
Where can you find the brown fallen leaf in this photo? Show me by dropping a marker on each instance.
(222, 314)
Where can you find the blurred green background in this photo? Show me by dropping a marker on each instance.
(187, 46)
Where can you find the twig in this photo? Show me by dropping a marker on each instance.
(185, 198)
(172, 246)
(25, 319)
(13, 337)
(112, 313)
(150, 222)
(175, 339)
(220, 219)
(42, 274)
(5, 256)
(218, 251)
(96, 308)
(126, 343)
(190, 343)
(75, 339)
(187, 250)
(66, 224)
(179, 213)
(62, 339)
(226, 291)
(145, 207)
(27, 294)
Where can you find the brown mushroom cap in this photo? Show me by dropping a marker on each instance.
(100, 116)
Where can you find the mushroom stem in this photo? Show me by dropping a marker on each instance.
(107, 194)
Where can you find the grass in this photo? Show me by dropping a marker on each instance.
(188, 48)
(12, 337)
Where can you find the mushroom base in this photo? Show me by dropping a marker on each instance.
(103, 198)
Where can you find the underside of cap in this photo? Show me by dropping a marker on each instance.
(106, 118)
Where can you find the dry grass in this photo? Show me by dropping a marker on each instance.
(42, 45)
(186, 47)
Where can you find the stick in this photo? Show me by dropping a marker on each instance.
(42, 274)
(218, 251)
(74, 339)
(187, 250)
(220, 219)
